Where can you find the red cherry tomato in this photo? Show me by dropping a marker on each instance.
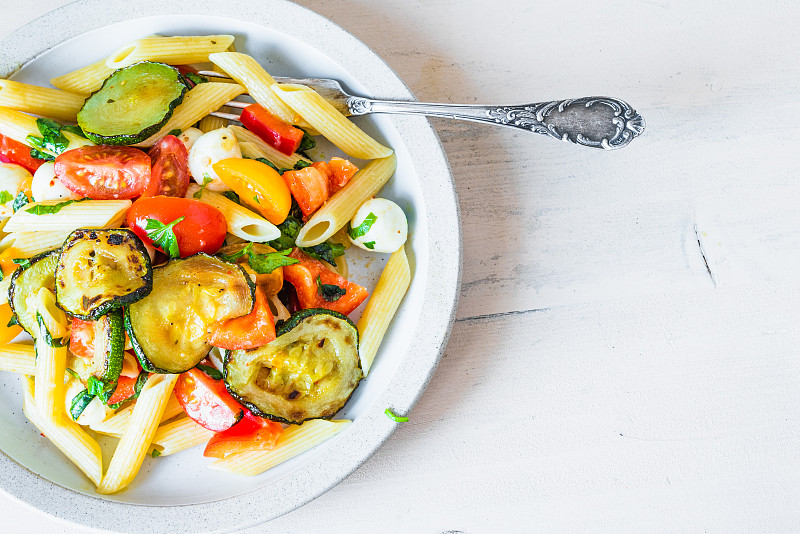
(12, 151)
(169, 175)
(203, 228)
(252, 433)
(104, 172)
(207, 401)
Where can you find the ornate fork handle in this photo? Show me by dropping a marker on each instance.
(596, 122)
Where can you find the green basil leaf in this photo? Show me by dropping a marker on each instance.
(163, 236)
(327, 251)
(266, 263)
(307, 143)
(24, 263)
(362, 228)
(75, 130)
(5, 196)
(213, 372)
(176, 132)
(97, 387)
(21, 200)
(230, 195)
(52, 139)
(48, 338)
(38, 154)
(233, 256)
(396, 418)
(42, 209)
(289, 228)
(330, 292)
(79, 404)
(302, 164)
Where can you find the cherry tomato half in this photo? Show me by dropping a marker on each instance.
(12, 151)
(169, 175)
(104, 172)
(203, 228)
(207, 401)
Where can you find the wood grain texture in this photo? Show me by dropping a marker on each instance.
(626, 351)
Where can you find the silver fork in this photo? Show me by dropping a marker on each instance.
(596, 121)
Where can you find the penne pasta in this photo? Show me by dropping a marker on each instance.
(135, 440)
(43, 101)
(51, 359)
(246, 70)
(381, 307)
(292, 441)
(242, 222)
(210, 123)
(67, 436)
(117, 423)
(85, 214)
(341, 207)
(18, 358)
(84, 81)
(328, 121)
(29, 244)
(179, 435)
(254, 147)
(178, 50)
(198, 102)
(18, 126)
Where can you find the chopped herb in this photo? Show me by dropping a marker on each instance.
(255, 198)
(261, 263)
(5, 196)
(163, 235)
(301, 164)
(73, 374)
(233, 256)
(327, 251)
(156, 453)
(52, 140)
(14, 321)
(24, 263)
(306, 143)
(75, 130)
(79, 404)
(176, 132)
(268, 162)
(396, 418)
(230, 195)
(213, 372)
(35, 153)
(206, 180)
(330, 292)
(48, 338)
(43, 209)
(290, 228)
(100, 389)
(362, 228)
(21, 200)
(369, 244)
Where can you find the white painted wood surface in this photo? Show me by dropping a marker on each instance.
(603, 375)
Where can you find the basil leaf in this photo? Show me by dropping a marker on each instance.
(14, 321)
(362, 228)
(266, 263)
(268, 162)
(99, 388)
(74, 129)
(24, 263)
(330, 292)
(36, 153)
(233, 256)
(163, 236)
(5, 196)
(396, 418)
(289, 228)
(48, 338)
(230, 195)
(79, 404)
(206, 180)
(21, 200)
(327, 251)
(52, 139)
(42, 209)
(176, 132)
(306, 143)
(213, 372)
(369, 244)
(302, 164)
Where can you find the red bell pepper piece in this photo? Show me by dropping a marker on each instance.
(307, 277)
(252, 433)
(15, 152)
(280, 135)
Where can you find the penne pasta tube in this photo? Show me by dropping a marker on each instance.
(381, 307)
(179, 50)
(329, 122)
(210, 123)
(254, 147)
(51, 358)
(29, 244)
(292, 441)
(179, 435)
(341, 207)
(84, 81)
(246, 70)
(18, 358)
(198, 102)
(117, 423)
(19, 126)
(242, 222)
(67, 436)
(82, 214)
(135, 441)
(43, 101)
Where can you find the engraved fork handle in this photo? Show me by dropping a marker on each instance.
(596, 122)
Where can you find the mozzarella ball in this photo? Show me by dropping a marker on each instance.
(389, 228)
(47, 186)
(13, 179)
(210, 148)
(189, 136)
(95, 411)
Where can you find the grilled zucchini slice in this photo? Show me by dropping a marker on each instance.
(109, 347)
(133, 104)
(308, 372)
(26, 282)
(100, 270)
(169, 329)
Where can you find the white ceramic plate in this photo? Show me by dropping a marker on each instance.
(179, 493)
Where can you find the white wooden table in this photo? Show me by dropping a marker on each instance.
(626, 356)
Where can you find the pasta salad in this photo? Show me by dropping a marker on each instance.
(183, 277)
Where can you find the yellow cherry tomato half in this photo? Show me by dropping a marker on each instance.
(7, 333)
(258, 185)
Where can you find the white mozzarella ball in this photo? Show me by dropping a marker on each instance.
(189, 136)
(12, 180)
(389, 228)
(210, 148)
(47, 186)
(95, 411)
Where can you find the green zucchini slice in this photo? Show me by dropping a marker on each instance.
(25, 283)
(308, 372)
(109, 347)
(169, 329)
(100, 270)
(133, 104)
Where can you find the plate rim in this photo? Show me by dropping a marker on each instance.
(422, 355)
